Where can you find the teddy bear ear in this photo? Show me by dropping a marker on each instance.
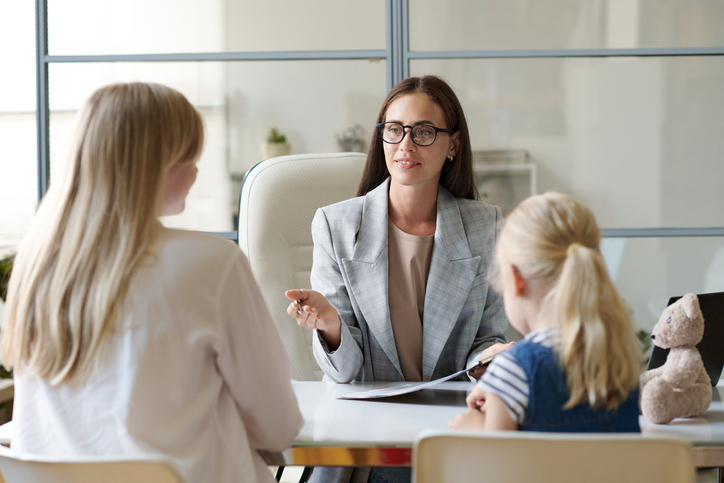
(690, 303)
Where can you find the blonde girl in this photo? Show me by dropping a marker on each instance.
(576, 370)
(127, 337)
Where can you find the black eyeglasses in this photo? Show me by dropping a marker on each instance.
(422, 134)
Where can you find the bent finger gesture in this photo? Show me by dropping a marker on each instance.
(311, 310)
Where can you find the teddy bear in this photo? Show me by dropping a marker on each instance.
(681, 387)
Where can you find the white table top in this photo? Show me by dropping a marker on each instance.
(706, 430)
(397, 421)
(380, 432)
(383, 431)
(393, 421)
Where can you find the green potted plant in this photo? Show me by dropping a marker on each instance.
(6, 266)
(644, 338)
(276, 145)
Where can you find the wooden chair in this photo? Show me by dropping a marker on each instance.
(24, 468)
(520, 456)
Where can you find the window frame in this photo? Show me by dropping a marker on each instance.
(396, 54)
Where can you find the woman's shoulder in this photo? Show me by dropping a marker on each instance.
(195, 238)
(343, 213)
(480, 222)
(345, 206)
(478, 210)
(195, 248)
(185, 266)
(353, 208)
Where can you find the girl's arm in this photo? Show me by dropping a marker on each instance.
(497, 417)
(494, 418)
(470, 420)
(476, 398)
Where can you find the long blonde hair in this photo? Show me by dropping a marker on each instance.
(554, 239)
(94, 227)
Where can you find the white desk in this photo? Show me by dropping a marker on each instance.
(706, 432)
(381, 433)
(368, 433)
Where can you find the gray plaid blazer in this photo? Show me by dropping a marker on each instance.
(462, 314)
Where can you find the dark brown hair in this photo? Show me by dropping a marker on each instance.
(457, 175)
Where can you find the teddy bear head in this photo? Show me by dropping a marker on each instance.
(681, 324)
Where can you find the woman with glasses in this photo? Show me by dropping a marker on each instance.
(400, 273)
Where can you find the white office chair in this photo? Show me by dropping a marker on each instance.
(521, 456)
(278, 200)
(23, 468)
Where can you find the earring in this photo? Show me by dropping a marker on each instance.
(450, 158)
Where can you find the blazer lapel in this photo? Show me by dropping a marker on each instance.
(452, 271)
(367, 271)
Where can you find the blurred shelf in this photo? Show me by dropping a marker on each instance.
(505, 178)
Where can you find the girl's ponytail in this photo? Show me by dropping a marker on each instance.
(555, 240)
(598, 348)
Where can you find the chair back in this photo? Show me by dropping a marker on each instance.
(23, 468)
(515, 456)
(278, 200)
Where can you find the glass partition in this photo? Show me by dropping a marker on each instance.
(194, 26)
(648, 271)
(638, 139)
(310, 102)
(18, 139)
(564, 24)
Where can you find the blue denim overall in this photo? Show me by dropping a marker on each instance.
(549, 393)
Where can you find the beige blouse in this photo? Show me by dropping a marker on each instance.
(409, 264)
(195, 370)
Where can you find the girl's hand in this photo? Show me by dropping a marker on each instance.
(476, 398)
(472, 419)
(494, 418)
(315, 312)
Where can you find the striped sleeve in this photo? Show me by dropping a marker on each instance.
(506, 379)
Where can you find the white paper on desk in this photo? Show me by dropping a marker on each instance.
(408, 388)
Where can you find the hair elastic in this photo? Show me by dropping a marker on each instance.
(572, 247)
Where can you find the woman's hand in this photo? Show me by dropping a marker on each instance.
(476, 398)
(315, 312)
(492, 350)
(472, 419)
(495, 348)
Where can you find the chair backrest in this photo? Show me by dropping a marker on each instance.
(278, 200)
(23, 468)
(515, 456)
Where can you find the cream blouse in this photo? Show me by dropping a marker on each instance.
(409, 264)
(195, 370)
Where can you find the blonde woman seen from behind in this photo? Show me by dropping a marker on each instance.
(577, 368)
(127, 337)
